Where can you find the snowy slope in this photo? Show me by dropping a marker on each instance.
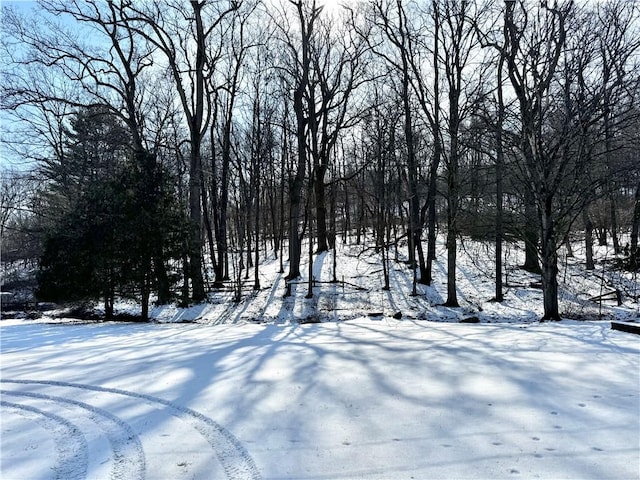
(365, 398)
(359, 291)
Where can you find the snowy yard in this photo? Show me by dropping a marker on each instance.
(366, 398)
(248, 392)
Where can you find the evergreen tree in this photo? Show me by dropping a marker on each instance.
(118, 223)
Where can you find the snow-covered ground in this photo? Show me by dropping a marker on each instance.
(251, 391)
(364, 398)
(358, 291)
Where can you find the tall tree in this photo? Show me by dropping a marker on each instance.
(555, 81)
(390, 23)
(297, 41)
(185, 36)
(458, 43)
(105, 76)
(533, 57)
(102, 242)
(224, 90)
(617, 44)
(337, 70)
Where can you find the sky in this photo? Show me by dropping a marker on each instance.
(9, 159)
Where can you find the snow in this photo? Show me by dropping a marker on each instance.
(251, 391)
(359, 291)
(358, 399)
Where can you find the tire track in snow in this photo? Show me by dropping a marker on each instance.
(72, 451)
(128, 456)
(233, 457)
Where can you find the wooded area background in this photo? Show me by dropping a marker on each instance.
(170, 145)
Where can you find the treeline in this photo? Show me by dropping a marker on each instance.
(174, 142)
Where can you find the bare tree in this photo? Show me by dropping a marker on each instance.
(390, 26)
(533, 56)
(225, 95)
(561, 104)
(458, 43)
(617, 44)
(297, 36)
(185, 36)
(337, 70)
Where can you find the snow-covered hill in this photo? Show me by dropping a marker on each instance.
(359, 292)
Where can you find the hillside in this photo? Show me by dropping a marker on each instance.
(358, 291)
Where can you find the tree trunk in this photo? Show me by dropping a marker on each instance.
(185, 275)
(614, 221)
(321, 208)
(332, 214)
(549, 265)
(611, 193)
(452, 201)
(567, 245)
(299, 109)
(257, 174)
(437, 154)
(499, 296)
(452, 294)
(282, 210)
(588, 238)
(310, 251)
(635, 225)
(195, 164)
(222, 270)
(531, 263)
(207, 227)
(602, 236)
(431, 213)
(144, 315)
(347, 216)
(108, 306)
(163, 285)
(295, 211)
(195, 216)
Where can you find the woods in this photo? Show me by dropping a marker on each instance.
(177, 144)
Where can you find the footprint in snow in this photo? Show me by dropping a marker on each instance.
(582, 405)
(535, 438)
(553, 413)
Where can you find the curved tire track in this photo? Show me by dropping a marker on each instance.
(72, 451)
(233, 457)
(128, 456)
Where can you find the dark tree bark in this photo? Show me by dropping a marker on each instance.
(499, 295)
(588, 238)
(635, 224)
